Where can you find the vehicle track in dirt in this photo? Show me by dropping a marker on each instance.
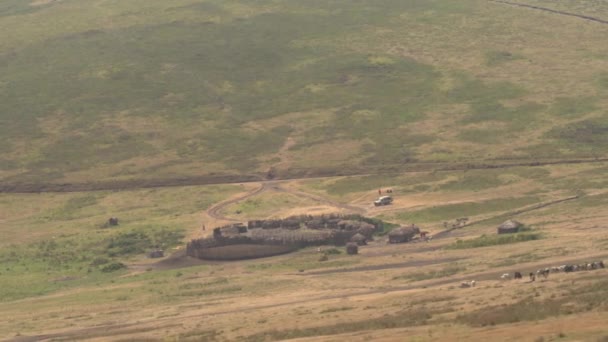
(275, 186)
(304, 174)
(545, 9)
(117, 329)
(485, 275)
(215, 211)
(513, 213)
(414, 263)
(322, 200)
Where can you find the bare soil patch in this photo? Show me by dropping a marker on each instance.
(414, 263)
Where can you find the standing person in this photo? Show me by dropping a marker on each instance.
(379, 192)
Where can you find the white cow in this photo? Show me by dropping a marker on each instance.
(465, 284)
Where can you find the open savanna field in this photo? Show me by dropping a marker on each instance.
(64, 276)
(108, 90)
(174, 115)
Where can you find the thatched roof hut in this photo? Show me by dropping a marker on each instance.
(359, 239)
(366, 229)
(403, 234)
(509, 227)
(233, 229)
(159, 253)
(352, 248)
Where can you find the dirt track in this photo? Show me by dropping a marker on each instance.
(444, 233)
(285, 175)
(117, 329)
(545, 9)
(415, 263)
(215, 210)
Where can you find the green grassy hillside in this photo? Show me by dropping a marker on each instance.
(108, 89)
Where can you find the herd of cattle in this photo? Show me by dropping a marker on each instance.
(544, 272)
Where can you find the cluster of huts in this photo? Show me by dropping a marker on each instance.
(271, 237)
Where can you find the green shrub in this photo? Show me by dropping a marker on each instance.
(115, 266)
(331, 251)
(141, 240)
(485, 240)
(99, 261)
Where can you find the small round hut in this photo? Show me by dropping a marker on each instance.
(509, 227)
(403, 234)
(359, 239)
(352, 248)
(158, 253)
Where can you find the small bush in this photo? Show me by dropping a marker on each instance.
(139, 241)
(485, 240)
(342, 308)
(99, 261)
(332, 251)
(115, 266)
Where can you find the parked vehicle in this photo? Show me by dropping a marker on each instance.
(384, 200)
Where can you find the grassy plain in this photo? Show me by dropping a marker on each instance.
(55, 251)
(98, 90)
(153, 89)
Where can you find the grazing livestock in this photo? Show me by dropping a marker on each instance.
(543, 272)
(466, 284)
(587, 266)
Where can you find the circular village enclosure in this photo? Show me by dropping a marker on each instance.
(264, 238)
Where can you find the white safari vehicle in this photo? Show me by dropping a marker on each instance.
(384, 200)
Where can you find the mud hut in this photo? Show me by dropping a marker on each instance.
(159, 253)
(233, 229)
(403, 234)
(316, 223)
(359, 239)
(352, 248)
(509, 227)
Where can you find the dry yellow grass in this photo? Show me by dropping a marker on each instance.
(297, 296)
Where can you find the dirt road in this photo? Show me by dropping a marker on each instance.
(131, 184)
(549, 10)
(125, 328)
(276, 186)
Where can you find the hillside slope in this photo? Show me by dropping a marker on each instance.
(115, 90)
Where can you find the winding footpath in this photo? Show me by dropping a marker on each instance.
(545, 9)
